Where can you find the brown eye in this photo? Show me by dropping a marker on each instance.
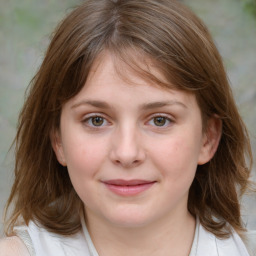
(160, 121)
(97, 121)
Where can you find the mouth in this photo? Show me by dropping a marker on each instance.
(128, 187)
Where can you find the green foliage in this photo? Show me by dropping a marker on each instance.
(250, 5)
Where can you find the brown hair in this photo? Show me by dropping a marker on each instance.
(178, 42)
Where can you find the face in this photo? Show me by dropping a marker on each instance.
(131, 149)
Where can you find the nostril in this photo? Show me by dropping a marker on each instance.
(127, 163)
(126, 151)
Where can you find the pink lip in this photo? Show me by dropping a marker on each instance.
(128, 187)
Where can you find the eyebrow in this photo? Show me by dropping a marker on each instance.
(146, 106)
(160, 104)
(94, 103)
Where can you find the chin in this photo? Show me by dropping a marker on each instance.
(130, 219)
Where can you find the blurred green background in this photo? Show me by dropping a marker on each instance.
(25, 29)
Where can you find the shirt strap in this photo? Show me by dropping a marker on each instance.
(23, 234)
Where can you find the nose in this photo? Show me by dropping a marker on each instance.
(127, 149)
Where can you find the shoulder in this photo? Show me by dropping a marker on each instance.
(42, 242)
(250, 241)
(13, 246)
(209, 244)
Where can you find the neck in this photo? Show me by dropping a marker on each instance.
(172, 237)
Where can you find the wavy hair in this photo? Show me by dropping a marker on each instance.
(169, 34)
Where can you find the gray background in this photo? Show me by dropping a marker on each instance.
(25, 28)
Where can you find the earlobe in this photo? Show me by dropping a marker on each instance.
(57, 147)
(211, 140)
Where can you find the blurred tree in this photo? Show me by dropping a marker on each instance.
(250, 5)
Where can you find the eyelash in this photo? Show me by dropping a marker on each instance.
(88, 121)
(167, 120)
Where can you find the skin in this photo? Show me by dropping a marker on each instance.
(114, 129)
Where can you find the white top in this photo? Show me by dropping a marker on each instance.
(39, 242)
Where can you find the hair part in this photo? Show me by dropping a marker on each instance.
(171, 37)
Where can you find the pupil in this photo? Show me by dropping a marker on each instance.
(159, 121)
(97, 121)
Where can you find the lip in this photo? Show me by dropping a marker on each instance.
(128, 187)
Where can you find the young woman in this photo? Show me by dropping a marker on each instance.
(129, 142)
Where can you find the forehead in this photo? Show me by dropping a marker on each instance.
(130, 66)
(117, 83)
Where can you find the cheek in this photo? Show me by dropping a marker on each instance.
(84, 160)
(177, 157)
(83, 154)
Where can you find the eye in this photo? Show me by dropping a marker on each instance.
(95, 121)
(160, 121)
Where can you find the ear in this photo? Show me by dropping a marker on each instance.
(211, 139)
(56, 142)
